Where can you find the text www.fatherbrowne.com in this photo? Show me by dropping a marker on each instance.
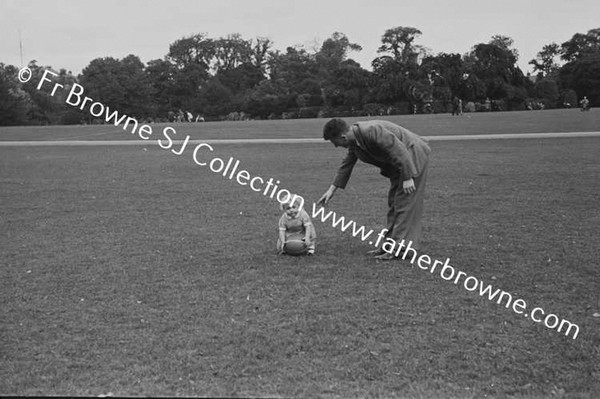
(446, 271)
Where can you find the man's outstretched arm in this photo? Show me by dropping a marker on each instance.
(341, 179)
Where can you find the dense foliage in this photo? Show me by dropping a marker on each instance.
(235, 78)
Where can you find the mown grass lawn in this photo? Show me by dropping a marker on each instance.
(133, 271)
(559, 120)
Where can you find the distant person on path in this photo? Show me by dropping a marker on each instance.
(402, 156)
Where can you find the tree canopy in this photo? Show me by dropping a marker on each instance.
(234, 77)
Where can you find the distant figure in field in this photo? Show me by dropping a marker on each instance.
(585, 104)
(457, 106)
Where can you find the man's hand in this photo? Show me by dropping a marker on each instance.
(327, 196)
(408, 186)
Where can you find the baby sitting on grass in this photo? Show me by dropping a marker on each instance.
(295, 225)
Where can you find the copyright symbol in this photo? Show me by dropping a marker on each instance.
(24, 75)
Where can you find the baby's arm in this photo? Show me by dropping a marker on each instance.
(281, 241)
(308, 226)
(307, 234)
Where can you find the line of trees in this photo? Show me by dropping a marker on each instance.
(232, 78)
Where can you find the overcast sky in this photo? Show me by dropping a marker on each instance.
(70, 33)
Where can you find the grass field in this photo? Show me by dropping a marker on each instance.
(133, 271)
(563, 120)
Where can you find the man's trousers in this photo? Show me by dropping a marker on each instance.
(404, 218)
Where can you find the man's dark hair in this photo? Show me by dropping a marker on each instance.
(334, 128)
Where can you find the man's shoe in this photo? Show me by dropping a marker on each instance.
(376, 252)
(386, 256)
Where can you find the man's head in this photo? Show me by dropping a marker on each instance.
(336, 131)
